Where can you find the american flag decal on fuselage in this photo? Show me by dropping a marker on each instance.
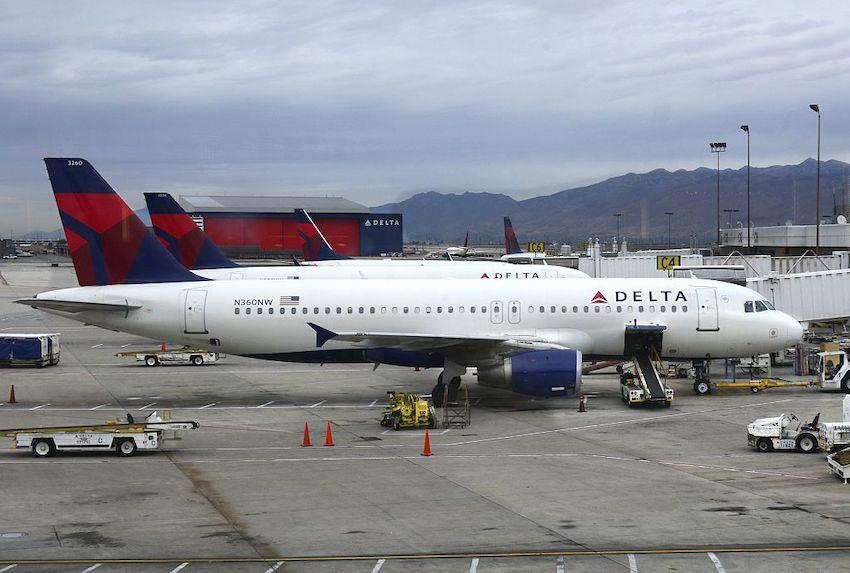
(290, 300)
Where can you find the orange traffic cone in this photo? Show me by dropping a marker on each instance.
(306, 443)
(329, 437)
(426, 450)
(12, 396)
(582, 403)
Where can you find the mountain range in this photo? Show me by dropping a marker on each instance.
(778, 195)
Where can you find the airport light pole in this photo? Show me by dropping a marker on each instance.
(815, 108)
(718, 147)
(618, 215)
(669, 220)
(746, 128)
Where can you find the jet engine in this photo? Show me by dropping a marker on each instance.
(536, 373)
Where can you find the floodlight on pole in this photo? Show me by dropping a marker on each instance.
(746, 128)
(718, 147)
(816, 108)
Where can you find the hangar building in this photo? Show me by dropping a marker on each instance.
(254, 226)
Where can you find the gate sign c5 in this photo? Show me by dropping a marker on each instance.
(537, 247)
(666, 263)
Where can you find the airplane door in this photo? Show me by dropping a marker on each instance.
(194, 321)
(496, 313)
(707, 302)
(514, 310)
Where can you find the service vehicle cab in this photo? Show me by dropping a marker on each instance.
(834, 371)
(783, 432)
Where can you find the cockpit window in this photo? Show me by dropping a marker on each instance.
(748, 306)
(760, 306)
(769, 305)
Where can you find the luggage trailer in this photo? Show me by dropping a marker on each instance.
(125, 439)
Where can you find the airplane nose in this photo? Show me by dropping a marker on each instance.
(795, 331)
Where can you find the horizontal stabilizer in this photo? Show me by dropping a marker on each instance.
(76, 306)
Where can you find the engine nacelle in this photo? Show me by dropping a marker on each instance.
(536, 373)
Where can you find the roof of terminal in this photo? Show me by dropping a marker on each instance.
(261, 204)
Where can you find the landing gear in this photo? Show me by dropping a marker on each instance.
(438, 392)
(702, 378)
(451, 372)
(454, 386)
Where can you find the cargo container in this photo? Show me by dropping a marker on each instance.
(29, 349)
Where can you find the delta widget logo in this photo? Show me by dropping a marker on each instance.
(599, 298)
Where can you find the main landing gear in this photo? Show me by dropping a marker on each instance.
(452, 372)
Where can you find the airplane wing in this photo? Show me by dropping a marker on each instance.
(423, 342)
(77, 306)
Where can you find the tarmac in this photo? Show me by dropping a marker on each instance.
(531, 485)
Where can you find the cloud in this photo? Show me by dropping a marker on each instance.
(373, 99)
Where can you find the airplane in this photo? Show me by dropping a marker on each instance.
(529, 337)
(196, 251)
(513, 252)
(463, 251)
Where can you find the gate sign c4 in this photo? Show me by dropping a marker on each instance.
(666, 263)
(537, 247)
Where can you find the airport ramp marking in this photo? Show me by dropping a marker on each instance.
(473, 566)
(39, 407)
(97, 345)
(559, 565)
(317, 404)
(378, 565)
(99, 406)
(373, 403)
(269, 403)
(92, 568)
(146, 406)
(7, 567)
(180, 567)
(717, 564)
(632, 563)
(274, 567)
(210, 405)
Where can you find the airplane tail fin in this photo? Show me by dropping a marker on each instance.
(315, 247)
(466, 240)
(108, 242)
(182, 236)
(511, 243)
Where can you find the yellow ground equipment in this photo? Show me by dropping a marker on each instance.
(759, 384)
(408, 411)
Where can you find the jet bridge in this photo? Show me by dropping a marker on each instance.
(642, 343)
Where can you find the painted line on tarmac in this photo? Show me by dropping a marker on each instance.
(92, 568)
(473, 565)
(149, 459)
(717, 564)
(8, 567)
(274, 567)
(145, 407)
(210, 405)
(559, 565)
(378, 565)
(97, 345)
(281, 559)
(39, 407)
(269, 403)
(99, 407)
(612, 424)
(633, 563)
(180, 567)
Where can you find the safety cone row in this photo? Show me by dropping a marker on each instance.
(426, 449)
(12, 399)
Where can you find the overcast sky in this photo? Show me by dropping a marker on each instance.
(377, 100)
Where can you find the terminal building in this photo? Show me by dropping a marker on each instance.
(788, 239)
(258, 227)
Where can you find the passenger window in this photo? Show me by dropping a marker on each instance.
(542, 309)
(472, 309)
(371, 310)
(327, 310)
(748, 306)
(350, 310)
(416, 309)
(586, 309)
(652, 308)
(460, 309)
(236, 310)
(640, 308)
(530, 310)
(451, 310)
(282, 310)
(304, 310)
(596, 309)
(294, 310)
(564, 310)
(405, 310)
(395, 310)
(247, 311)
(271, 311)
(483, 310)
(360, 310)
(630, 308)
(259, 311)
(552, 309)
(619, 308)
(427, 310)
(315, 310)
(383, 310)
(338, 310)
(575, 309)
(440, 310)
(684, 308)
(673, 308)
(662, 308)
(607, 309)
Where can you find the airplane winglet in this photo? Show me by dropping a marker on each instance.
(322, 334)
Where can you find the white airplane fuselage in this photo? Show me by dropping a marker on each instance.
(269, 319)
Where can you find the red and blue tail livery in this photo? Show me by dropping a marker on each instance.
(315, 247)
(511, 244)
(108, 242)
(182, 236)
